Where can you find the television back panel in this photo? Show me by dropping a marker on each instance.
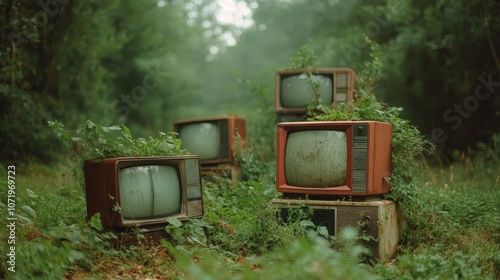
(378, 219)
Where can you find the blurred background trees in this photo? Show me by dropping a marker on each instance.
(148, 63)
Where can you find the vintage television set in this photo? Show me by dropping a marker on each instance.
(377, 219)
(333, 158)
(294, 92)
(133, 193)
(215, 140)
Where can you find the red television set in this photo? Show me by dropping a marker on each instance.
(294, 92)
(143, 192)
(333, 158)
(213, 139)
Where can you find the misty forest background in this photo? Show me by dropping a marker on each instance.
(149, 63)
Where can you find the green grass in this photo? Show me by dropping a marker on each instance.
(453, 232)
(453, 226)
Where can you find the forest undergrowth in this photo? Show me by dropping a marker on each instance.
(452, 231)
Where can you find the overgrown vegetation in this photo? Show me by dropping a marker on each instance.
(453, 227)
(240, 236)
(407, 141)
(451, 215)
(146, 64)
(94, 141)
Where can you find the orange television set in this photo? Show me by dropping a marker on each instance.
(333, 158)
(294, 92)
(213, 139)
(143, 192)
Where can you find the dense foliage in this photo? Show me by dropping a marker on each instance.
(452, 233)
(113, 61)
(94, 141)
(430, 57)
(147, 63)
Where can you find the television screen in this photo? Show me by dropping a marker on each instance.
(333, 158)
(202, 139)
(143, 191)
(213, 139)
(297, 91)
(294, 89)
(150, 191)
(316, 159)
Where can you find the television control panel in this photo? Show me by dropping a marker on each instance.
(359, 157)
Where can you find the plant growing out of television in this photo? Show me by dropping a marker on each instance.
(94, 141)
(407, 141)
(304, 89)
(306, 60)
(134, 183)
(399, 137)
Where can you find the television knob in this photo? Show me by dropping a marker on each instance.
(365, 223)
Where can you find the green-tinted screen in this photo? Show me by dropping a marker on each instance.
(201, 139)
(150, 191)
(316, 158)
(297, 92)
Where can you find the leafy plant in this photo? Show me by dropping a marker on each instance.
(257, 160)
(93, 141)
(426, 264)
(191, 232)
(308, 257)
(242, 219)
(255, 168)
(407, 141)
(306, 60)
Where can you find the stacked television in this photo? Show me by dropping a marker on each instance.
(340, 169)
